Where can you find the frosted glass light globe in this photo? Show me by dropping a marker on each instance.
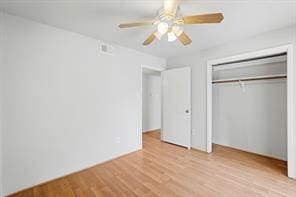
(162, 27)
(171, 36)
(177, 30)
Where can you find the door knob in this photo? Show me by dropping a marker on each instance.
(187, 111)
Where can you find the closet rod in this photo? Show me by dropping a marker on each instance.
(250, 79)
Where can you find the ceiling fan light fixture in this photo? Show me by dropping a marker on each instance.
(169, 20)
(162, 27)
(171, 37)
(177, 30)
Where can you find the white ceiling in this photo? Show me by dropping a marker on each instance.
(99, 19)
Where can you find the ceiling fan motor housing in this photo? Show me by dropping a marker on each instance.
(166, 17)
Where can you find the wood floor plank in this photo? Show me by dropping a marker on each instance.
(163, 169)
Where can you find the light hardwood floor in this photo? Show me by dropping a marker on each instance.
(154, 134)
(162, 169)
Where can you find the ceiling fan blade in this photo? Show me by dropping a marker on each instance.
(150, 39)
(170, 7)
(184, 39)
(136, 24)
(206, 18)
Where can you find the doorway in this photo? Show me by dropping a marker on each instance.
(151, 102)
(166, 104)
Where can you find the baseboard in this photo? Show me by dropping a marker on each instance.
(63, 176)
(253, 153)
(154, 130)
(199, 150)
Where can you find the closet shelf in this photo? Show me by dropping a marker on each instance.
(265, 77)
(252, 63)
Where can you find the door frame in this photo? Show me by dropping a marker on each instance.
(154, 68)
(291, 97)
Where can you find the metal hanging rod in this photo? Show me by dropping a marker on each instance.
(267, 77)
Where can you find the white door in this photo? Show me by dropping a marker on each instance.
(176, 106)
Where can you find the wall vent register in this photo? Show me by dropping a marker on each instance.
(106, 49)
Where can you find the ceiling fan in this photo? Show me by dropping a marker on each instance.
(170, 21)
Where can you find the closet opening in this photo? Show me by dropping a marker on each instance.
(249, 108)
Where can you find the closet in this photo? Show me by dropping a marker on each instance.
(249, 105)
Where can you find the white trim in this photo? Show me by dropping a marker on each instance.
(141, 108)
(155, 68)
(161, 113)
(209, 107)
(291, 98)
(190, 141)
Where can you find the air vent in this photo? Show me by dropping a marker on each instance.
(106, 49)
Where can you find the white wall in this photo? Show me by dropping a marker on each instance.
(65, 104)
(198, 63)
(151, 102)
(253, 119)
